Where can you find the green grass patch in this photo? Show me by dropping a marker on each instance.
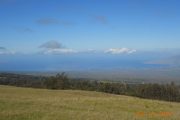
(41, 104)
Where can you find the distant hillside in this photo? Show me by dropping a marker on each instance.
(40, 104)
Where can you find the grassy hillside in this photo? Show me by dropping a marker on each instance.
(40, 104)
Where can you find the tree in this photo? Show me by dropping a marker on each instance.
(60, 81)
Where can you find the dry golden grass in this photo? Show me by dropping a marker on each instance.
(41, 104)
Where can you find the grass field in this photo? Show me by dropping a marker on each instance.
(41, 104)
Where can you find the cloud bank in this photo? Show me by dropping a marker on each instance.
(54, 47)
(120, 51)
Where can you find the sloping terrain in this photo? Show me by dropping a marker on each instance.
(41, 104)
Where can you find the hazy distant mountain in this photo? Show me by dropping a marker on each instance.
(172, 61)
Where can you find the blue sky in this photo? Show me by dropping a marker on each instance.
(88, 34)
(90, 24)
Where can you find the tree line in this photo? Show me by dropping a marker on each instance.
(167, 92)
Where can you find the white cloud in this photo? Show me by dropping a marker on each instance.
(59, 51)
(120, 51)
(4, 51)
(54, 47)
